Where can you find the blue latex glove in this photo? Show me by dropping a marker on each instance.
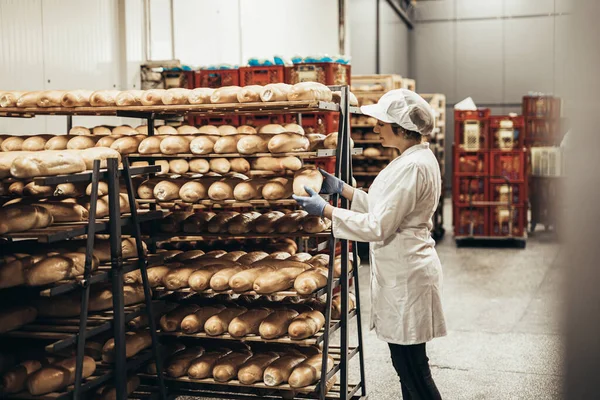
(331, 184)
(314, 204)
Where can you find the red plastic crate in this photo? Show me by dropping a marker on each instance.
(262, 75)
(516, 141)
(507, 221)
(470, 221)
(327, 163)
(541, 132)
(508, 192)
(324, 123)
(466, 139)
(471, 164)
(479, 114)
(260, 120)
(218, 78)
(467, 190)
(325, 73)
(218, 121)
(541, 106)
(508, 164)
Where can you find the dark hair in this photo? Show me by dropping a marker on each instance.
(408, 135)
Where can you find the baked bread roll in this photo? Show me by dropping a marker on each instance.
(223, 189)
(239, 165)
(150, 145)
(168, 190)
(47, 163)
(194, 191)
(14, 380)
(244, 280)
(187, 130)
(126, 145)
(310, 91)
(246, 130)
(104, 98)
(371, 152)
(171, 321)
(280, 279)
(178, 277)
(28, 99)
(210, 130)
(315, 224)
(281, 369)
(199, 280)
(288, 142)
(50, 98)
(58, 142)
(107, 141)
(252, 370)
(200, 95)
(249, 94)
(179, 166)
(253, 144)
(249, 190)
(271, 129)
(226, 94)
(331, 141)
(178, 364)
(252, 257)
(143, 130)
(9, 99)
(123, 130)
(202, 367)
(220, 280)
(21, 218)
(306, 325)
(311, 280)
(15, 317)
(129, 98)
(135, 342)
(175, 145)
(226, 144)
(59, 375)
(242, 223)
(267, 164)
(276, 325)
(277, 188)
(227, 367)
(266, 222)
(56, 268)
(310, 177)
(12, 272)
(31, 189)
(194, 322)
(228, 130)
(287, 245)
(218, 224)
(34, 143)
(81, 142)
(198, 222)
(309, 371)
(336, 305)
(275, 92)
(302, 257)
(319, 260)
(219, 323)
(294, 128)
(166, 130)
(155, 276)
(202, 145)
(291, 222)
(199, 165)
(152, 97)
(146, 188)
(79, 130)
(220, 165)
(101, 130)
(190, 255)
(248, 322)
(176, 96)
(13, 143)
(109, 392)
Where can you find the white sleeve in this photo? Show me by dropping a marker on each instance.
(360, 201)
(387, 214)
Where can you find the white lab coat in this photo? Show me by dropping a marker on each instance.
(406, 275)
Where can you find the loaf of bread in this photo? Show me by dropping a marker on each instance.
(279, 279)
(310, 91)
(271, 129)
(253, 144)
(311, 280)
(190, 255)
(200, 95)
(178, 277)
(28, 99)
(15, 317)
(266, 222)
(14, 380)
(168, 189)
(252, 370)
(156, 275)
(50, 98)
(104, 98)
(76, 190)
(175, 145)
(202, 367)
(135, 342)
(166, 130)
(10, 98)
(58, 267)
(152, 97)
(211, 131)
(202, 145)
(242, 223)
(310, 177)
(306, 325)
(277, 188)
(291, 222)
(220, 165)
(227, 367)
(101, 130)
(276, 325)
(316, 141)
(288, 142)
(226, 144)
(315, 224)
(198, 222)
(250, 94)
(199, 165)
(218, 224)
(249, 190)
(98, 153)
(31, 189)
(252, 257)
(287, 245)
(58, 142)
(21, 218)
(176, 96)
(59, 375)
(171, 321)
(309, 371)
(281, 369)
(150, 145)
(126, 144)
(107, 141)
(331, 141)
(194, 322)
(194, 191)
(223, 189)
(34, 143)
(336, 305)
(146, 188)
(220, 280)
(218, 324)
(248, 322)
(371, 152)
(16, 188)
(65, 212)
(12, 272)
(109, 392)
(199, 280)
(337, 265)
(13, 143)
(243, 281)
(178, 364)
(275, 92)
(226, 94)
(129, 98)
(143, 130)
(81, 142)
(6, 160)
(178, 166)
(319, 260)
(239, 165)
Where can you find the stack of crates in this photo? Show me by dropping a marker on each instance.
(542, 120)
(489, 190)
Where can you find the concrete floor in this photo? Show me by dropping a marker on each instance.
(502, 309)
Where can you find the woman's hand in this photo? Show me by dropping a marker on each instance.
(331, 184)
(314, 204)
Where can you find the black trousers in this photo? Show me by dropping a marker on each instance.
(412, 365)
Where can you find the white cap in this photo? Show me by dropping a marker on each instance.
(405, 108)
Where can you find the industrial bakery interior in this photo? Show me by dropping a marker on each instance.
(300, 199)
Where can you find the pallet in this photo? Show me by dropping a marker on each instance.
(490, 241)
